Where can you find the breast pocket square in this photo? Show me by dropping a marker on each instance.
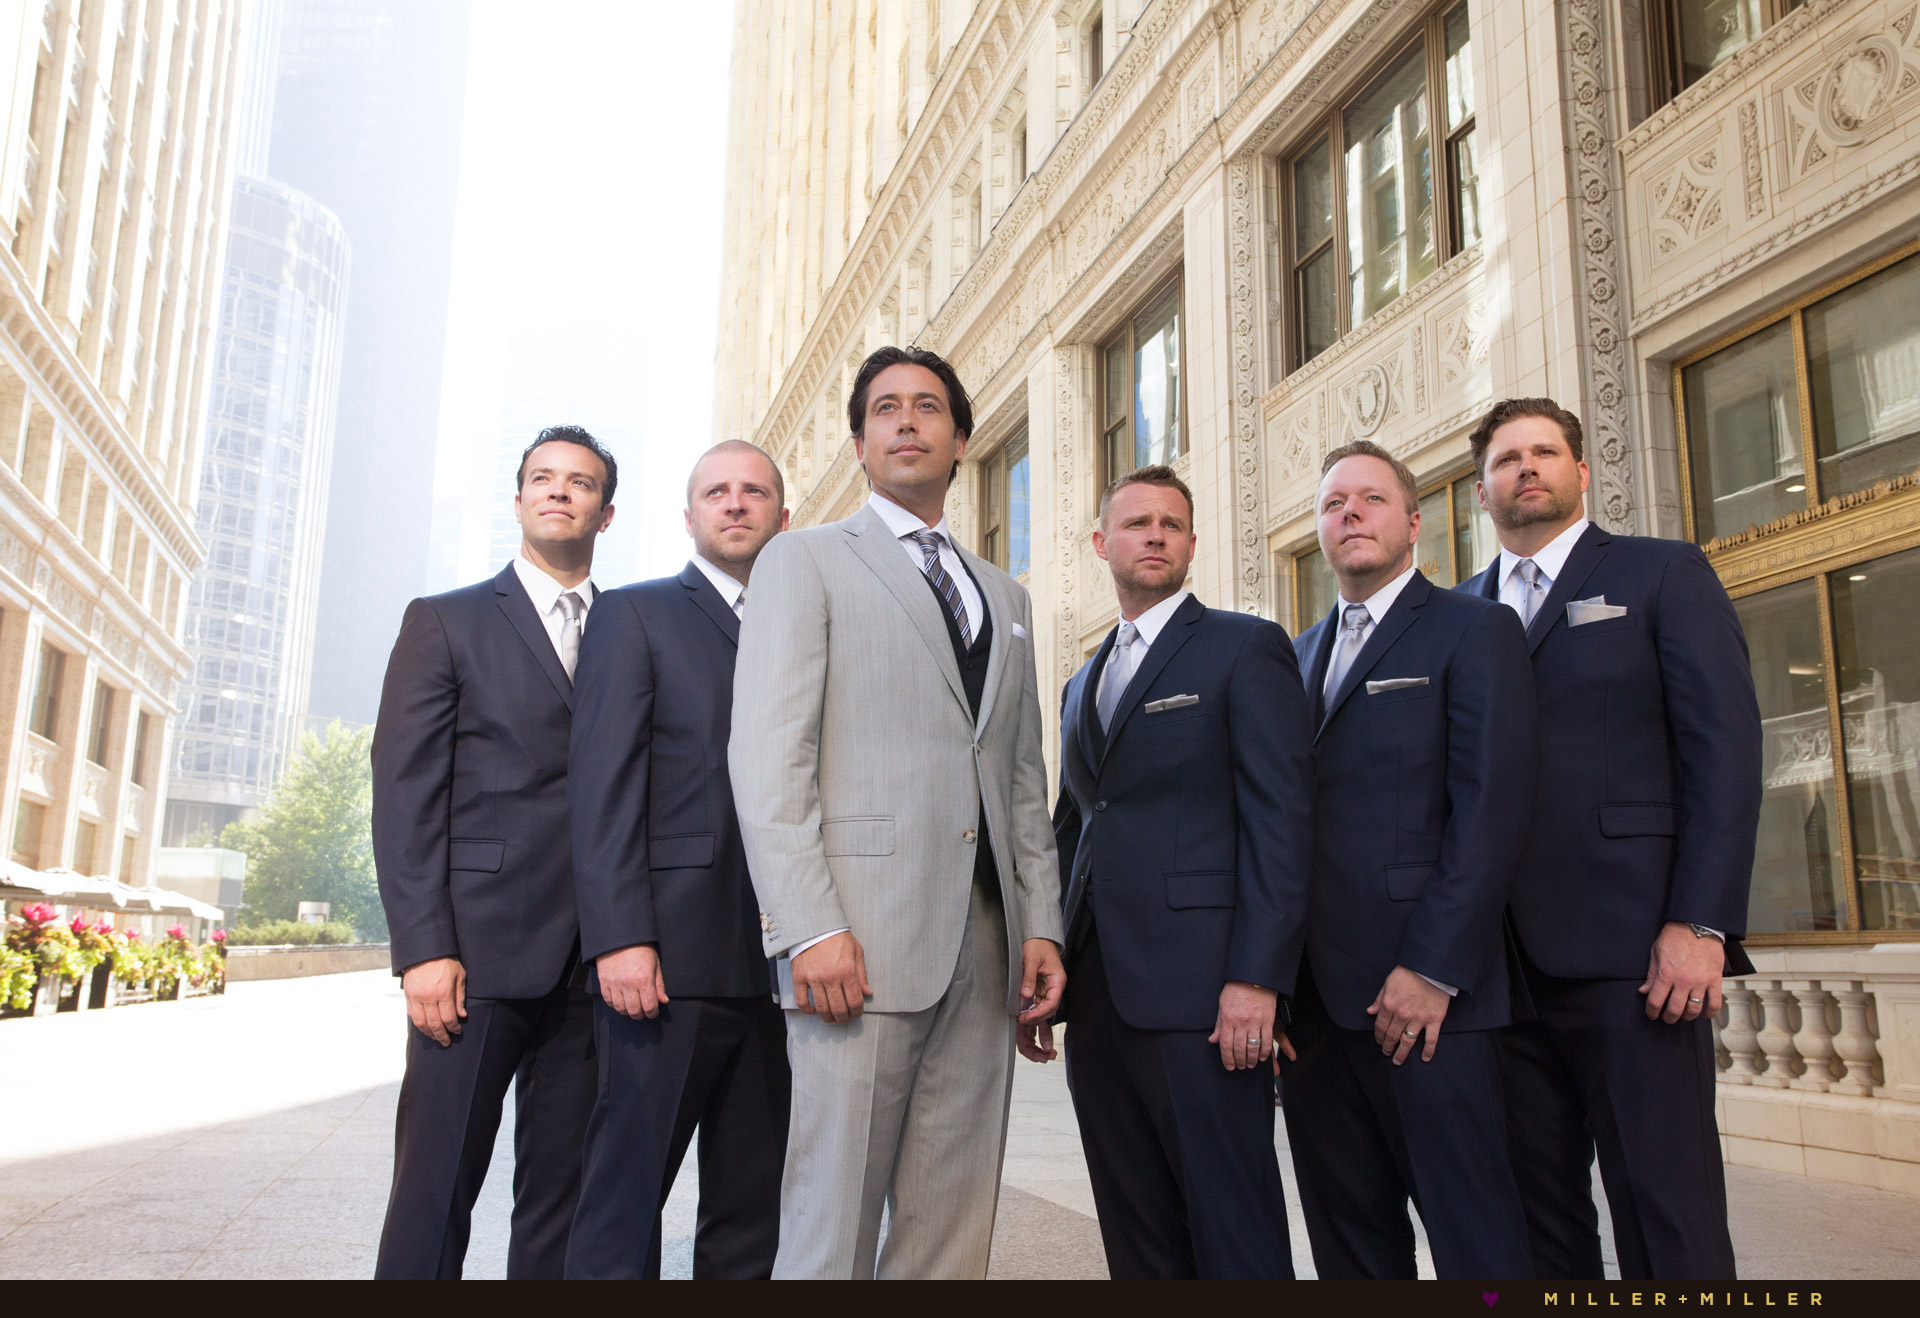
(1394, 684)
(1019, 632)
(1171, 702)
(1582, 612)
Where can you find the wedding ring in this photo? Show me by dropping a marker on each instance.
(1409, 1034)
(1693, 999)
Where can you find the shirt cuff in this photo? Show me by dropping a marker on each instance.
(1700, 930)
(1447, 989)
(798, 948)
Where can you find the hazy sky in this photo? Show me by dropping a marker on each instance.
(586, 270)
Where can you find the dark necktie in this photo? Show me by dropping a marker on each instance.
(929, 542)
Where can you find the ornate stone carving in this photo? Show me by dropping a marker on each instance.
(1859, 89)
(1462, 342)
(1752, 168)
(1368, 400)
(1066, 448)
(1602, 315)
(1245, 315)
(1684, 202)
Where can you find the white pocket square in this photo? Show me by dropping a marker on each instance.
(1019, 632)
(1581, 612)
(1394, 684)
(1171, 702)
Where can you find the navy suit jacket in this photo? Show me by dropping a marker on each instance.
(470, 834)
(657, 852)
(1186, 829)
(1646, 802)
(1421, 797)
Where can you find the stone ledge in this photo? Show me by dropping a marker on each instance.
(1861, 1141)
(248, 963)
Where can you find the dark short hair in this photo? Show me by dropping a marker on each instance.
(571, 435)
(739, 446)
(1366, 448)
(1157, 474)
(957, 401)
(1512, 409)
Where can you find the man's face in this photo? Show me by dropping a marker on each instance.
(732, 507)
(1365, 524)
(1147, 539)
(909, 441)
(560, 499)
(1531, 475)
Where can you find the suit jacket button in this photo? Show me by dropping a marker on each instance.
(967, 836)
(1099, 805)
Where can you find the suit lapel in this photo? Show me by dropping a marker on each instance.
(1177, 632)
(998, 641)
(1588, 550)
(1093, 742)
(518, 607)
(877, 548)
(1319, 654)
(708, 600)
(1076, 729)
(1403, 614)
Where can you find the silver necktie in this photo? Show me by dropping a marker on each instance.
(1535, 582)
(1356, 622)
(1119, 672)
(572, 609)
(740, 604)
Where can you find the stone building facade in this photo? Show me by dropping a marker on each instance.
(1233, 234)
(116, 118)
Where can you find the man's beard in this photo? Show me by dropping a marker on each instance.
(1514, 515)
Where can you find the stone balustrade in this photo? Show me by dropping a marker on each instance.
(1819, 1058)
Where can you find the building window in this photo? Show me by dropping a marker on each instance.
(99, 735)
(1142, 412)
(45, 716)
(86, 837)
(1456, 541)
(1688, 39)
(1007, 498)
(1363, 226)
(141, 724)
(29, 822)
(124, 872)
(1818, 401)
(1096, 50)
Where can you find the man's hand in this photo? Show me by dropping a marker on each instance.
(1405, 1008)
(436, 997)
(1042, 980)
(1035, 1040)
(631, 982)
(1285, 1049)
(1683, 974)
(1243, 1028)
(830, 979)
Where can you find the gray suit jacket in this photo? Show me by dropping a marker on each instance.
(858, 770)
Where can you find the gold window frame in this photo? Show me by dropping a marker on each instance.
(1448, 484)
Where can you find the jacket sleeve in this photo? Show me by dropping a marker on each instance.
(1066, 810)
(773, 755)
(1271, 745)
(1713, 723)
(413, 739)
(1454, 933)
(608, 779)
(1036, 861)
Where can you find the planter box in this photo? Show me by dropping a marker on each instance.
(46, 998)
(100, 989)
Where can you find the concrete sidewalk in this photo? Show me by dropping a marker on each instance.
(251, 1137)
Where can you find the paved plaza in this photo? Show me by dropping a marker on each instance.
(251, 1136)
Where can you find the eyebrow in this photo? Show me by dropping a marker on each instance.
(556, 471)
(924, 393)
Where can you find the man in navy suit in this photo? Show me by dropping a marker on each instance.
(1423, 708)
(1182, 825)
(475, 862)
(1631, 895)
(687, 1029)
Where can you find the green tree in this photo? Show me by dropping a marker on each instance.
(313, 840)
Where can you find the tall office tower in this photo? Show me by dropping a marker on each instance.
(262, 506)
(366, 121)
(115, 164)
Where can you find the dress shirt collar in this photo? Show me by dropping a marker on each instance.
(545, 591)
(1150, 623)
(1552, 558)
(1381, 600)
(903, 523)
(729, 587)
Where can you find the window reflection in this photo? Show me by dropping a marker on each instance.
(1474, 545)
(1389, 186)
(1863, 375)
(1743, 434)
(1433, 553)
(1797, 853)
(1156, 368)
(1712, 31)
(1315, 589)
(1877, 640)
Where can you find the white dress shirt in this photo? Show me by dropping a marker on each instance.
(545, 592)
(1551, 560)
(1376, 606)
(730, 588)
(1147, 628)
(903, 524)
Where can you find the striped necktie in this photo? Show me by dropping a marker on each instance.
(929, 542)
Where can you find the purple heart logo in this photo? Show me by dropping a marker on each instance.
(1491, 1297)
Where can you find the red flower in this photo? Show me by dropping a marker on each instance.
(79, 925)
(219, 935)
(105, 926)
(177, 932)
(38, 913)
(133, 935)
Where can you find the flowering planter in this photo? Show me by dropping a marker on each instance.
(100, 988)
(46, 998)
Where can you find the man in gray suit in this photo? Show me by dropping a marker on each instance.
(887, 772)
